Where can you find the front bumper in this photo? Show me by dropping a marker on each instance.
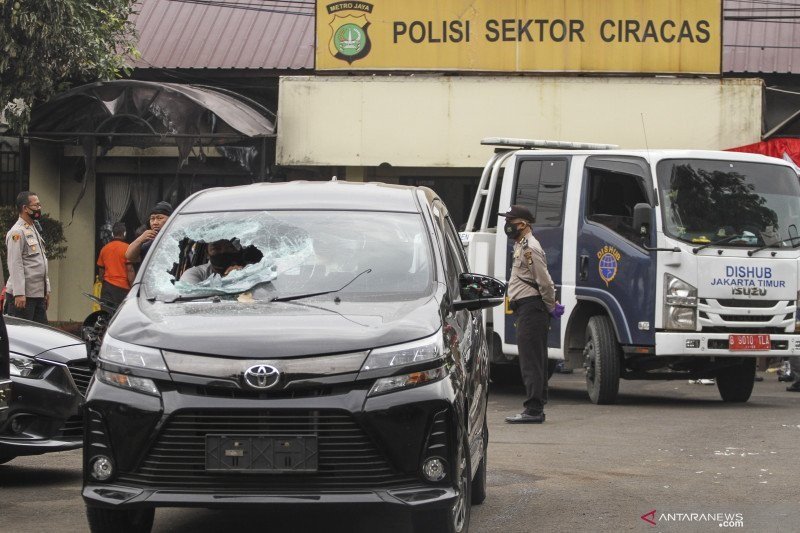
(715, 344)
(5, 398)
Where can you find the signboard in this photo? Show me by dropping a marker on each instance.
(612, 36)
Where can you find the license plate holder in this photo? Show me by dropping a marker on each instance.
(749, 343)
(262, 454)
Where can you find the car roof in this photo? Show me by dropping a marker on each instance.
(305, 195)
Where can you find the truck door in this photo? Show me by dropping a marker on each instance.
(613, 269)
(540, 185)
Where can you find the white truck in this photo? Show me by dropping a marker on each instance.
(672, 264)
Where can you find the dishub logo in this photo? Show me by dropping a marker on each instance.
(650, 517)
(349, 36)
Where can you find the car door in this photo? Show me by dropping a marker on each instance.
(613, 268)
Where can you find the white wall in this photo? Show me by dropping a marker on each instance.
(439, 121)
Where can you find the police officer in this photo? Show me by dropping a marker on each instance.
(28, 287)
(532, 299)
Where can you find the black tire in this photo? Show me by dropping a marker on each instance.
(103, 520)
(603, 359)
(735, 383)
(479, 481)
(551, 367)
(505, 373)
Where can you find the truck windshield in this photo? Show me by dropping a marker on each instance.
(259, 256)
(739, 203)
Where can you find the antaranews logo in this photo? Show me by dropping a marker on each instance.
(349, 32)
(721, 519)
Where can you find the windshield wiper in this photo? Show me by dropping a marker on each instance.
(796, 238)
(189, 298)
(721, 241)
(309, 295)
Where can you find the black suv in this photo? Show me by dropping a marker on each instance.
(298, 344)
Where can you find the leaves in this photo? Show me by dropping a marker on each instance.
(48, 45)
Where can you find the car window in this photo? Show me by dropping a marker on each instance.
(268, 255)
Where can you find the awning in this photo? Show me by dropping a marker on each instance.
(143, 113)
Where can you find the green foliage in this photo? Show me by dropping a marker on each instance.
(52, 232)
(48, 45)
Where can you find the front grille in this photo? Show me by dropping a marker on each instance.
(750, 303)
(223, 392)
(73, 427)
(753, 330)
(81, 375)
(348, 459)
(746, 318)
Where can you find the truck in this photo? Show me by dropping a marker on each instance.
(672, 264)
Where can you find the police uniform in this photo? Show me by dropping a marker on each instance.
(27, 272)
(531, 296)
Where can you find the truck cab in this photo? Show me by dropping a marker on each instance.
(672, 264)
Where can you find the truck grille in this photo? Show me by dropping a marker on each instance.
(348, 459)
(81, 375)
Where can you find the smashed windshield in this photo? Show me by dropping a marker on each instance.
(738, 203)
(251, 256)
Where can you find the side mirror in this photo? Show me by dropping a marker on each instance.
(642, 215)
(479, 292)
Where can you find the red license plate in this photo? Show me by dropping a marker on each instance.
(748, 342)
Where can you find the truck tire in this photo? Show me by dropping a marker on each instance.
(735, 383)
(603, 356)
(102, 520)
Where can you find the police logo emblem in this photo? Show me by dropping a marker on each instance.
(349, 33)
(608, 263)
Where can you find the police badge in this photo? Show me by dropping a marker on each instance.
(349, 33)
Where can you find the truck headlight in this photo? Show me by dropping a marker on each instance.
(125, 354)
(25, 367)
(680, 304)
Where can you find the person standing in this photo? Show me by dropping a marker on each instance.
(531, 296)
(28, 287)
(141, 245)
(113, 267)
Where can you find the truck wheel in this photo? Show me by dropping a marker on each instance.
(603, 354)
(735, 383)
(479, 481)
(103, 520)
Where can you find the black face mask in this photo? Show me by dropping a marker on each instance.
(35, 214)
(512, 230)
(224, 260)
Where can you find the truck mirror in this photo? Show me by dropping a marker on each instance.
(642, 214)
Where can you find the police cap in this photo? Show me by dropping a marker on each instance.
(519, 211)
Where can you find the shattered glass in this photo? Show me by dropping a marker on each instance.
(290, 253)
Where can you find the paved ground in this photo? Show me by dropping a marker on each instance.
(670, 447)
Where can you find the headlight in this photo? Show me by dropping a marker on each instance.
(405, 381)
(26, 367)
(125, 381)
(680, 304)
(428, 349)
(122, 353)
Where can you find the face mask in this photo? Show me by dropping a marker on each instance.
(512, 230)
(35, 214)
(224, 260)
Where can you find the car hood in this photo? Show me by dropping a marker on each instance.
(274, 330)
(34, 339)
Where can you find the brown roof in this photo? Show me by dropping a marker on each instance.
(229, 34)
(761, 36)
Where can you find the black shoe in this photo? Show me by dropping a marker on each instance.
(794, 387)
(525, 418)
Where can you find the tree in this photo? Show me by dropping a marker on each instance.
(48, 45)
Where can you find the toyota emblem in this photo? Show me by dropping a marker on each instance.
(262, 376)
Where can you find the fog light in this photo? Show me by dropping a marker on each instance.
(102, 468)
(693, 343)
(433, 469)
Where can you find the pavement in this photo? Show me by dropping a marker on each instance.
(671, 451)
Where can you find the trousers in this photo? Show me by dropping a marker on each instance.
(34, 309)
(533, 323)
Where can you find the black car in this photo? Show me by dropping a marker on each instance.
(50, 373)
(291, 345)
